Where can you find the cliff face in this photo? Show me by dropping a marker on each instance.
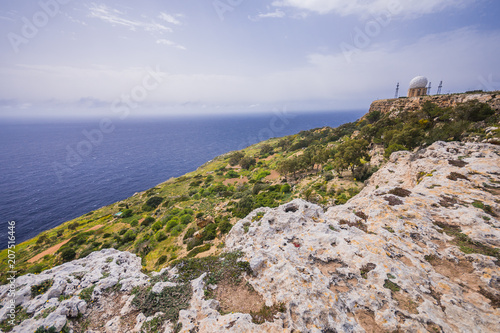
(415, 103)
(415, 251)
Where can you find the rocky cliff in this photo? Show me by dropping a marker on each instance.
(415, 251)
(415, 103)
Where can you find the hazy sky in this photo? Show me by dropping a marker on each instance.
(63, 57)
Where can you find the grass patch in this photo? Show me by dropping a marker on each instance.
(486, 208)
(258, 216)
(198, 249)
(267, 313)
(86, 294)
(465, 244)
(41, 288)
(226, 266)
(170, 301)
(391, 285)
(21, 316)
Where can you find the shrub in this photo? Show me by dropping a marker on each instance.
(225, 227)
(147, 221)
(232, 174)
(364, 172)
(156, 226)
(189, 233)
(129, 236)
(127, 213)
(177, 230)
(210, 232)
(286, 188)
(247, 162)
(68, 254)
(187, 211)
(161, 260)
(393, 148)
(160, 236)
(172, 223)
(266, 149)
(235, 158)
(154, 202)
(198, 249)
(262, 174)
(194, 243)
(186, 219)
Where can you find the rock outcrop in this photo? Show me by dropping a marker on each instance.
(394, 106)
(416, 250)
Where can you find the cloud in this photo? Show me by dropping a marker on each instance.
(170, 43)
(459, 58)
(407, 8)
(115, 17)
(276, 14)
(170, 18)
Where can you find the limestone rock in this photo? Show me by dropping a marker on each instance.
(416, 250)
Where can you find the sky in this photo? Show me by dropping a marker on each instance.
(67, 58)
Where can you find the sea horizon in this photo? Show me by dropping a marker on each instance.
(61, 168)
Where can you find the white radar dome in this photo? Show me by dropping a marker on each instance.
(418, 82)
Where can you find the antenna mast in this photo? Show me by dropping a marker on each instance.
(397, 91)
(439, 88)
(429, 88)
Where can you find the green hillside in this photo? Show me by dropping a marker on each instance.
(190, 215)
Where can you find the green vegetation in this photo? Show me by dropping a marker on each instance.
(41, 288)
(465, 244)
(324, 165)
(198, 249)
(20, 316)
(170, 301)
(86, 294)
(267, 313)
(391, 285)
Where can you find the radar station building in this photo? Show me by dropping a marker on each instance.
(418, 87)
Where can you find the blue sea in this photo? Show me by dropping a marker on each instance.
(54, 171)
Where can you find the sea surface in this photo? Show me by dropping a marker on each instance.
(54, 171)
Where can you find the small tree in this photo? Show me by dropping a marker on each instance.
(127, 213)
(246, 162)
(350, 153)
(235, 158)
(68, 254)
(266, 149)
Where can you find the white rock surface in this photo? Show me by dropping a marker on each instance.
(332, 269)
(312, 262)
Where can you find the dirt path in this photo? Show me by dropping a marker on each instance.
(53, 249)
(273, 176)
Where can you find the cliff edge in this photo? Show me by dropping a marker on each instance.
(416, 250)
(415, 103)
